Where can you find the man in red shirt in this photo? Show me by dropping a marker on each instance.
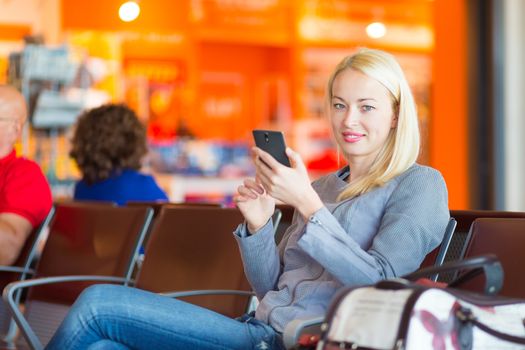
(25, 197)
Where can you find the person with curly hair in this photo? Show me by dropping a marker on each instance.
(108, 146)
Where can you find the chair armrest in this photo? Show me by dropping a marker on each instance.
(487, 264)
(293, 330)
(5, 268)
(12, 288)
(190, 293)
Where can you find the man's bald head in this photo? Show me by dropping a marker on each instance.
(12, 104)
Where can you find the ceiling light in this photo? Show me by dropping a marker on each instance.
(129, 11)
(376, 30)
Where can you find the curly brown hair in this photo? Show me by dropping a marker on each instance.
(107, 140)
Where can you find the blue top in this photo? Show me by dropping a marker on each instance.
(383, 233)
(129, 185)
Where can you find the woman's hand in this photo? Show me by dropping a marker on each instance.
(290, 185)
(255, 204)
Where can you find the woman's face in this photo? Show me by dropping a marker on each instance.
(361, 115)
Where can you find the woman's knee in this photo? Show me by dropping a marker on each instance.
(99, 292)
(96, 298)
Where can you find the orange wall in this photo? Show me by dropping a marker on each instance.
(13, 31)
(448, 144)
(449, 133)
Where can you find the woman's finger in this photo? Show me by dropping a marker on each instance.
(263, 170)
(254, 186)
(267, 158)
(295, 159)
(266, 182)
(239, 199)
(246, 192)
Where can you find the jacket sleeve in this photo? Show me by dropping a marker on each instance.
(260, 257)
(414, 222)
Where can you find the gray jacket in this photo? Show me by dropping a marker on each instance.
(381, 234)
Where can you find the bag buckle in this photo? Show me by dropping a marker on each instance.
(465, 315)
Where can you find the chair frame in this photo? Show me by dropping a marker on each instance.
(290, 334)
(177, 290)
(442, 250)
(13, 289)
(34, 342)
(295, 328)
(25, 269)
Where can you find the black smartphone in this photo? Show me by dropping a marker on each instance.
(272, 142)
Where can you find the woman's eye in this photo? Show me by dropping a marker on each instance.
(367, 108)
(338, 105)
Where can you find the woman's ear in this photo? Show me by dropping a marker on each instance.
(393, 125)
(395, 110)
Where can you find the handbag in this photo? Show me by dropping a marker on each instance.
(405, 314)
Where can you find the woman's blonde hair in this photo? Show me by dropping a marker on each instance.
(401, 148)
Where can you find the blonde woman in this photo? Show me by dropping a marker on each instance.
(376, 218)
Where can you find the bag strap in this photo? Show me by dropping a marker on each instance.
(465, 315)
(487, 264)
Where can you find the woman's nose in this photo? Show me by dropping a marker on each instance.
(352, 117)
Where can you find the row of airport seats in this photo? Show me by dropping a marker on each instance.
(470, 233)
(188, 249)
(189, 253)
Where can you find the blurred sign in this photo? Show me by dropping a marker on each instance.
(222, 100)
(242, 20)
(50, 64)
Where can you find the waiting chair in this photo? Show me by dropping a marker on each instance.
(157, 206)
(191, 250)
(96, 242)
(436, 257)
(478, 233)
(505, 238)
(21, 270)
(464, 219)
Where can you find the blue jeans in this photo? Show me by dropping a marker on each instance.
(117, 317)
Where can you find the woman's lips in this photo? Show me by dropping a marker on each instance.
(352, 137)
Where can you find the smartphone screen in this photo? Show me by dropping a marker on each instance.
(272, 142)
